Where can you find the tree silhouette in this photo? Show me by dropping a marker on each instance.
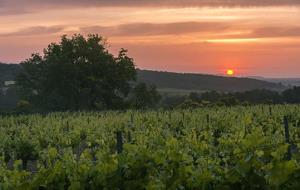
(77, 73)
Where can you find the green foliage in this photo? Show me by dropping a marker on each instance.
(25, 151)
(189, 104)
(208, 148)
(23, 106)
(254, 97)
(77, 73)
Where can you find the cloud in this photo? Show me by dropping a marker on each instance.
(152, 2)
(277, 32)
(215, 28)
(149, 29)
(220, 30)
(19, 7)
(268, 32)
(35, 30)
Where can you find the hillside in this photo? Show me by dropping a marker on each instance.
(177, 81)
(201, 82)
(285, 81)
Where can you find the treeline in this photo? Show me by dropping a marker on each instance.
(143, 96)
(213, 98)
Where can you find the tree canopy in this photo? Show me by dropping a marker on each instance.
(77, 73)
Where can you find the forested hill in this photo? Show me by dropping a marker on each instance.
(203, 82)
(168, 80)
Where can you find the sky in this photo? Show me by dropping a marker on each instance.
(254, 38)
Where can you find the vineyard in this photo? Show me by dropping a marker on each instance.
(254, 147)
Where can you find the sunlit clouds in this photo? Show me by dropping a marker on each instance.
(182, 36)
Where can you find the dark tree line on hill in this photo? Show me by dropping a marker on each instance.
(253, 97)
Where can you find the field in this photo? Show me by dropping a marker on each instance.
(211, 148)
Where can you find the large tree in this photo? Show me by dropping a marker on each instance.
(77, 73)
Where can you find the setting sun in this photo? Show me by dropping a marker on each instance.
(230, 72)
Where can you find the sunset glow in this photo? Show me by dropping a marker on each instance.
(230, 72)
(182, 36)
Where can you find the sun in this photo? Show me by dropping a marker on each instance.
(230, 72)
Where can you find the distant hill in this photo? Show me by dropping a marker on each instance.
(181, 82)
(202, 82)
(286, 81)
